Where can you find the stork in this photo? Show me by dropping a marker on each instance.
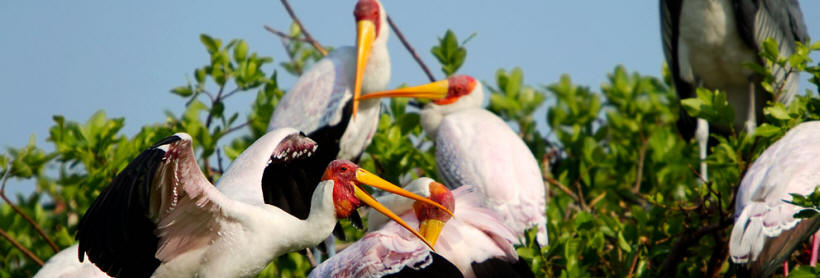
(322, 103)
(475, 243)
(161, 217)
(765, 231)
(476, 147)
(707, 44)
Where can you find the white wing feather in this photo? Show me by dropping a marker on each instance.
(761, 212)
(476, 147)
(318, 97)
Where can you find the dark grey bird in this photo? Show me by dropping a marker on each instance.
(707, 44)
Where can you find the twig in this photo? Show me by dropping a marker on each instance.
(634, 263)
(310, 257)
(687, 240)
(21, 248)
(219, 160)
(23, 214)
(284, 35)
(597, 199)
(561, 186)
(410, 49)
(641, 157)
(581, 193)
(302, 27)
(235, 128)
(231, 93)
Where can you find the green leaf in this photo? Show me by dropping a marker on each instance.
(183, 91)
(240, 51)
(211, 44)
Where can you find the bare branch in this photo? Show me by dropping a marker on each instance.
(284, 35)
(641, 157)
(235, 128)
(23, 214)
(410, 49)
(304, 31)
(561, 186)
(21, 248)
(310, 257)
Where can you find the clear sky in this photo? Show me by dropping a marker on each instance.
(75, 57)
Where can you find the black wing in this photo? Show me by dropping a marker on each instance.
(289, 184)
(495, 267)
(670, 33)
(440, 267)
(116, 231)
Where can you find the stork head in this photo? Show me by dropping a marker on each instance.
(449, 95)
(432, 218)
(371, 26)
(349, 195)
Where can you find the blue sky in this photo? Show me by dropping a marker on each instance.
(76, 57)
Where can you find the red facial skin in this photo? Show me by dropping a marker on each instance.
(368, 10)
(440, 194)
(343, 174)
(460, 85)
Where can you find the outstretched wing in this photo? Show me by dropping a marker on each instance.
(159, 206)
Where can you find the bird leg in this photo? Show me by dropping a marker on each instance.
(814, 246)
(702, 135)
(751, 113)
(786, 268)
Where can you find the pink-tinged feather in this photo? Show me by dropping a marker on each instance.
(186, 215)
(474, 235)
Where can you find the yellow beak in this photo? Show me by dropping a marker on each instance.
(435, 91)
(370, 179)
(365, 35)
(430, 229)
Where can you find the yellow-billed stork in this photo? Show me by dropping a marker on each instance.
(476, 147)
(474, 243)
(161, 217)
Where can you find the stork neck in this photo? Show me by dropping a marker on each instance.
(320, 221)
(377, 70)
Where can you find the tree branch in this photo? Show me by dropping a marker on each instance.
(21, 248)
(641, 157)
(304, 31)
(410, 49)
(284, 35)
(23, 214)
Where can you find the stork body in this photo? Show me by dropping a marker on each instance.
(475, 243)
(476, 147)
(322, 104)
(765, 231)
(161, 217)
(707, 44)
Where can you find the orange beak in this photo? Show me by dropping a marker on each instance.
(365, 35)
(435, 91)
(365, 177)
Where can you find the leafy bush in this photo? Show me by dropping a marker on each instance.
(624, 196)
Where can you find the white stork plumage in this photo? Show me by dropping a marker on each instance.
(475, 243)
(765, 232)
(161, 217)
(476, 147)
(707, 44)
(65, 264)
(322, 104)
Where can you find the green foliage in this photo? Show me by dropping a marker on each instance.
(450, 53)
(301, 54)
(624, 195)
